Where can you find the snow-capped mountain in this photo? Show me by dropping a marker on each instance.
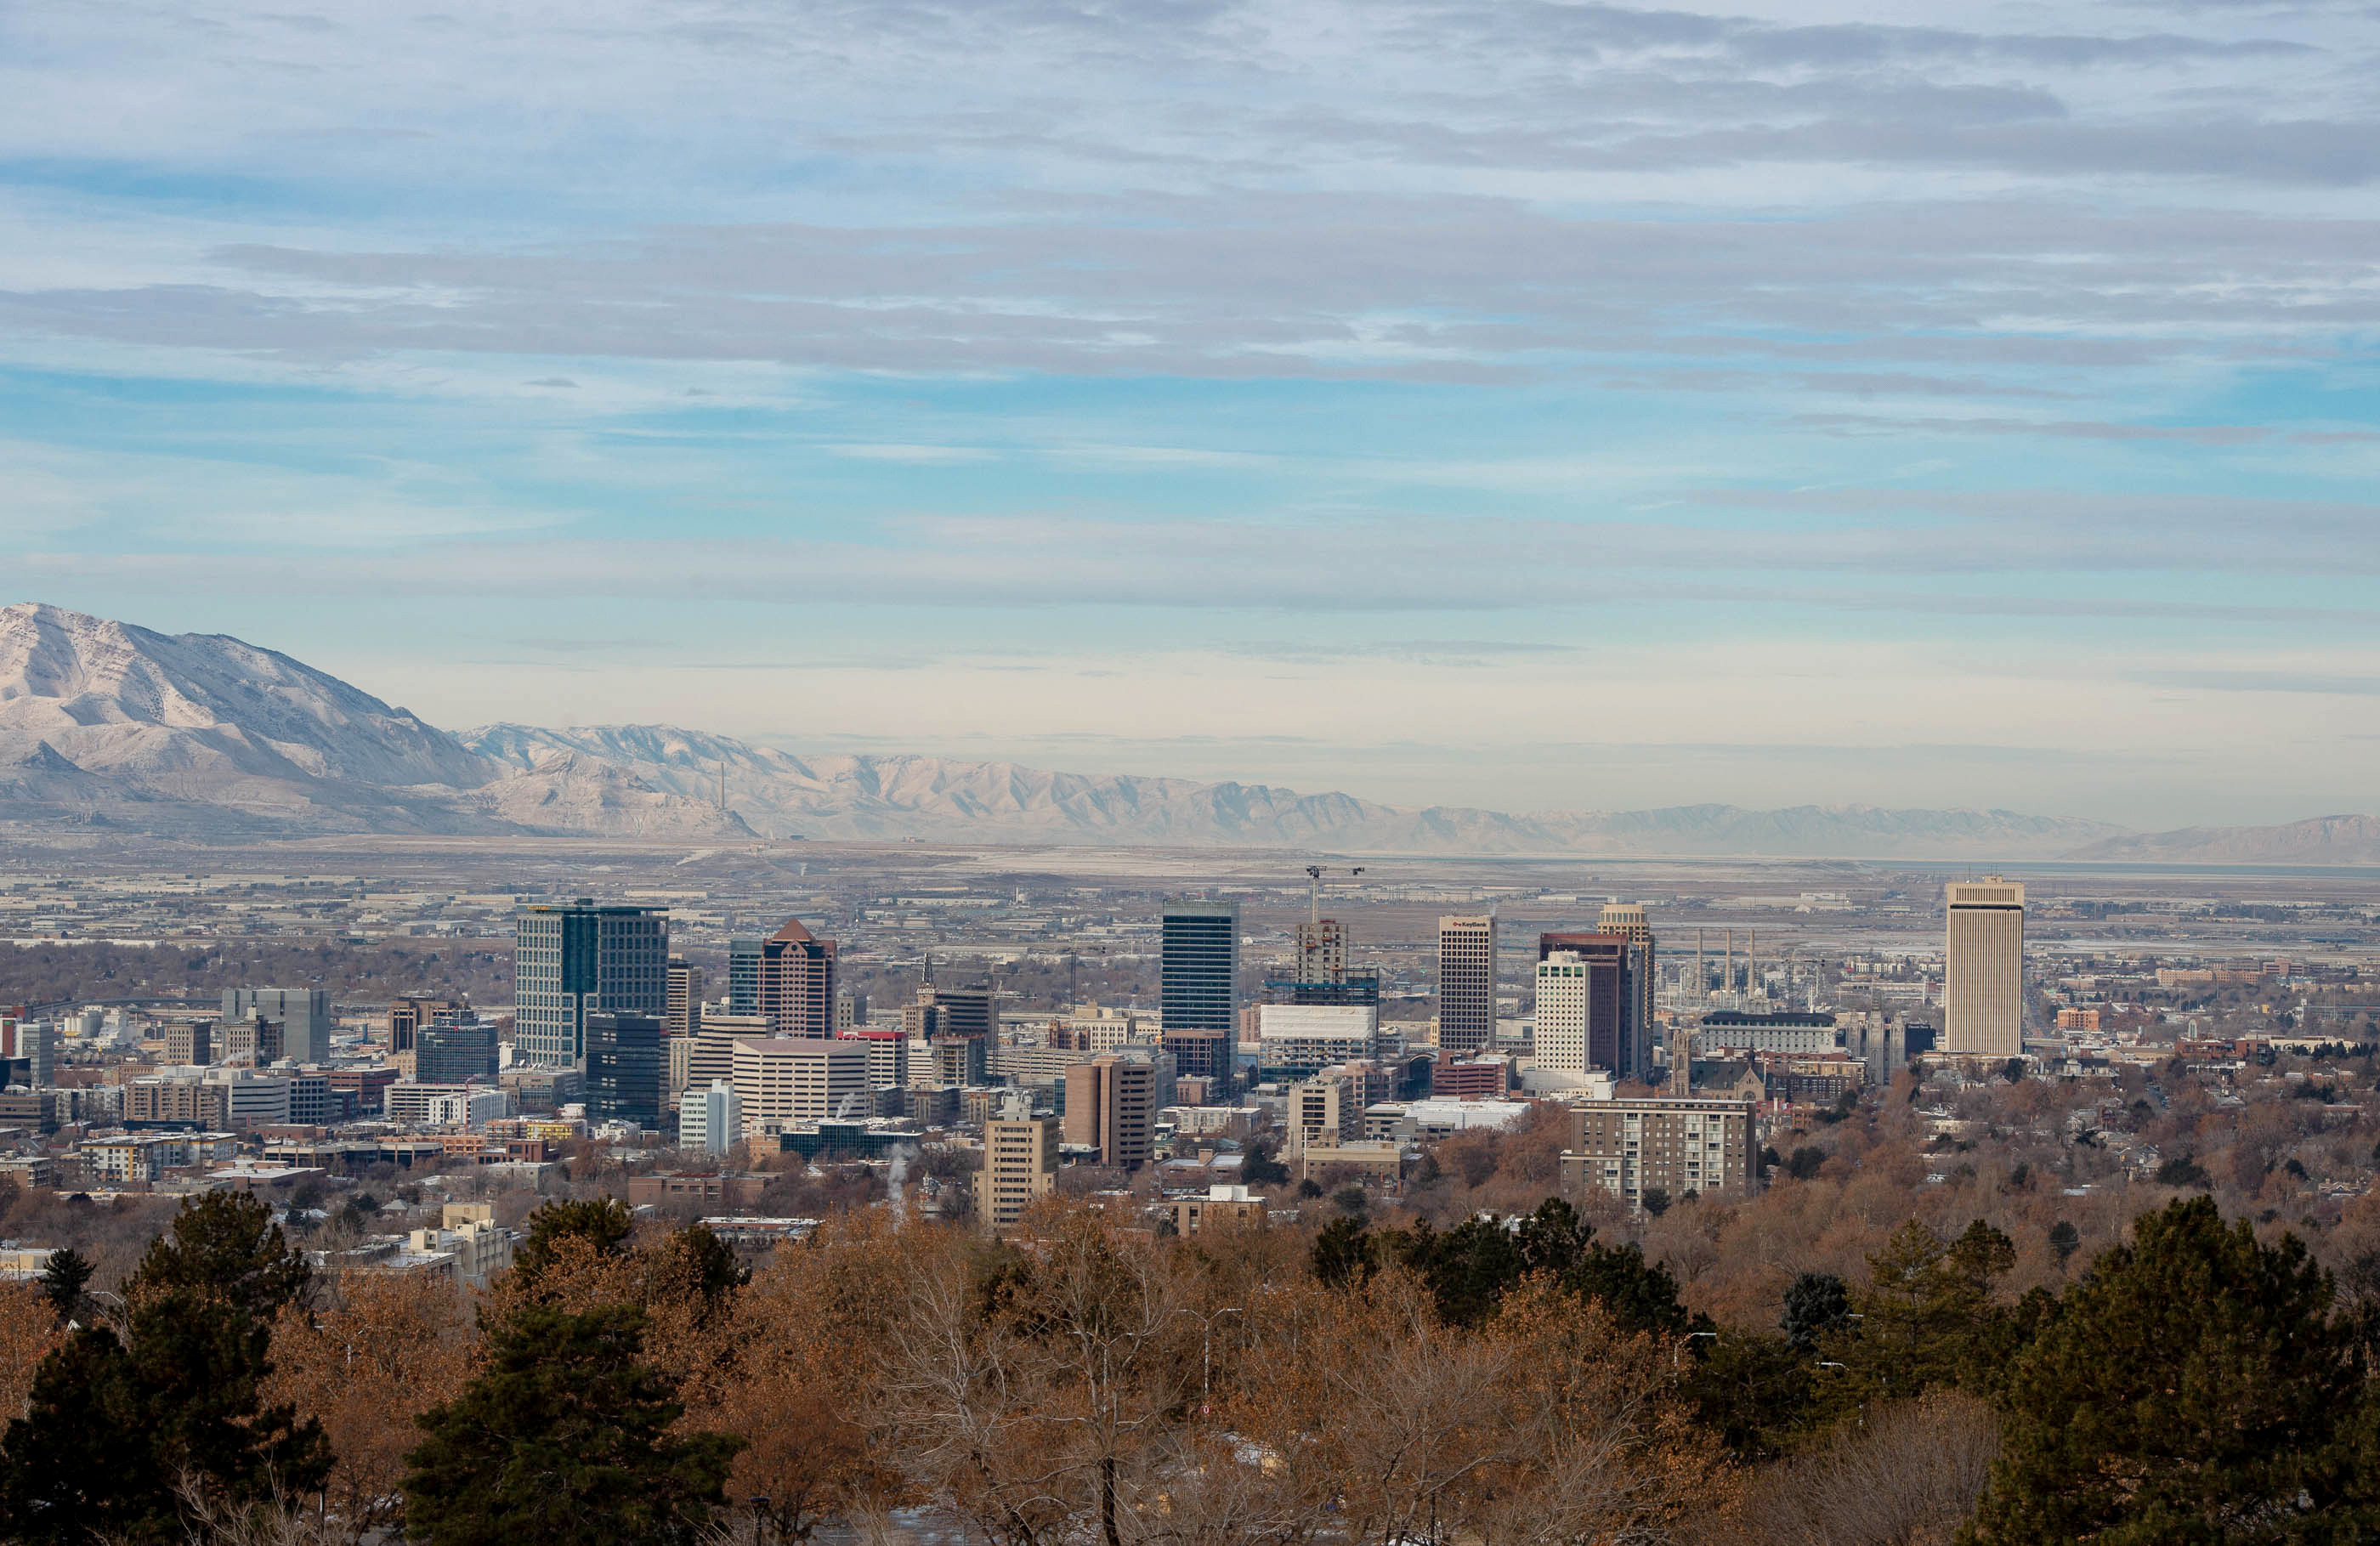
(940, 799)
(203, 735)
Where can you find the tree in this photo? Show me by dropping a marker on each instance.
(566, 1440)
(225, 1246)
(176, 1404)
(604, 1224)
(386, 1351)
(2194, 1387)
(1345, 1255)
(2064, 1239)
(1815, 1304)
(64, 1282)
(1262, 1166)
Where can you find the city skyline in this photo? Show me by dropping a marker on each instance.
(1971, 414)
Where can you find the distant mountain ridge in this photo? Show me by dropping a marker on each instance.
(2321, 840)
(205, 737)
(943, 799)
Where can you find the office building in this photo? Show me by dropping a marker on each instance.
(1731, 1030)
(1466, 983)
(888, 1057)
(1326, 1111)
(190, 1043)
(798, 984)
(576, 960)
(744, 977)
(712, 1056)
(627, 1068)
(1020, 1164)
(304, 1015)
(850, 1010)
(1628, 921)
(1615, 1042)
(1982, 971)
(251, 1099)
(451, 1051)
(1095, 1029)
(1198, 988)
(1321, 951)
(1680, 1147)
(407, 1015)
(311, 1099)
(711, 1120)
(1111, 1106)
(684, 1011)
(969, 1012)
(254, 1039)
(176, 1102)
(782, 1080)
(469, 1107)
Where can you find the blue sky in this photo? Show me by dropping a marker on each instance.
(1516, 404)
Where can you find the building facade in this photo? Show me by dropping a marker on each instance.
(574, 960)
(304, 1015)
(798, 984)
(1295, 1039)
(710, 1119)
(1466, 982)
(1111, 1106)
(744, 977)
(627, 1068)
(1982, 969)
(1321, 951)
(1679, 1147)
(450, 1051)
(782, 1080)
(1020, 1166)
(684, 1004)
(1199, 987)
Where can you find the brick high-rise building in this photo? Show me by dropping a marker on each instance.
(1111, 1105)
(798, 984)
(1466, 983)
(189, 1043)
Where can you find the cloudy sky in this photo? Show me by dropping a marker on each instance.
(1498, 402)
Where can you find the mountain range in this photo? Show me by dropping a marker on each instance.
(203, 737)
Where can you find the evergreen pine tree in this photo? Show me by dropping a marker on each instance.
(2194, 1387)
(115, 1426)
(564, 1441)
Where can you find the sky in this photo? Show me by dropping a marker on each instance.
(1496, 402)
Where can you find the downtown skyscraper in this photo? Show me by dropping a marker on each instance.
(576, 959)
(1466, 983)
(1199, 987)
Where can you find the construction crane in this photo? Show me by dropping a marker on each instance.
(1314, 873)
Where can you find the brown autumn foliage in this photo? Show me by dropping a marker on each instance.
(29, 1328)
(383, 1351)
(1907, 1474)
